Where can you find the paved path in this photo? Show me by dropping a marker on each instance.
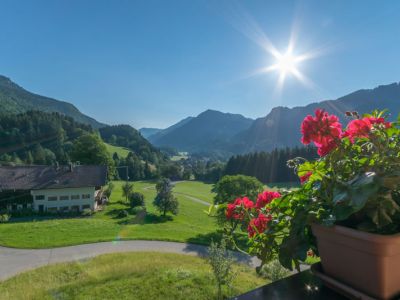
(14, 261)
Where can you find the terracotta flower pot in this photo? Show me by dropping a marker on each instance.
(367, 262)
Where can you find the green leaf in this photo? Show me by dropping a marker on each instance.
(343, 211)
(381, 213)
(392, 181)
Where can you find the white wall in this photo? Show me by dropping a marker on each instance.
(63, 203)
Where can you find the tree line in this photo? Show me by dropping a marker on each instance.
(269, 166)
(39, 138)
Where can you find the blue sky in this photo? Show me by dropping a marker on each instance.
(152, 63)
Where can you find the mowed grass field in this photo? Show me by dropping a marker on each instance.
(195, 189)
(121, 151)
(139, 275)
(191, 224)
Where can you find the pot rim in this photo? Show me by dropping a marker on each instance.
(358, 234)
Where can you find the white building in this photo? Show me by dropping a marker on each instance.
(52, 189)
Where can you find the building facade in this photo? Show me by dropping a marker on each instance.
(52, 188)
(65, 199)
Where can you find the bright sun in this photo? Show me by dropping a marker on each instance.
(286, 63)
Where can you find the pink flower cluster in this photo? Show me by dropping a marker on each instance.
(241, 206)
(235, 209)
(325, 130)
(361, 128)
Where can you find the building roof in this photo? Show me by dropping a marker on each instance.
(51, 177)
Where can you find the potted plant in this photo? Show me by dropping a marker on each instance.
(347, 210)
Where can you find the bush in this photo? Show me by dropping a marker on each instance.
(123, 214)
(274, 271)
(25, 212)
(4, 218)
(108, 191)
(221, 262)
(229, 188)
(87, 212)
(136, 199)
(136, 210)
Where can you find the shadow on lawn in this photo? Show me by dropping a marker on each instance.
(152, 218)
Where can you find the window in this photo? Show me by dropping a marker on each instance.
(64, 197)
(64, 208)
(39, 197)
(75, 208)
(86, 196)
(75, 197)
(86, 206)
(52, 198)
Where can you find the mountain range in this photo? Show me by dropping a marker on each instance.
(213, 131)
(15, 99)
(208, 132)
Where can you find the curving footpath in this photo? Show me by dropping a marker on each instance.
(14, 261)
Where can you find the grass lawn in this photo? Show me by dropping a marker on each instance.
(190, 225)
(121, 151)
(283, 185)
(140, 275)
(196, 189)
(179, 157)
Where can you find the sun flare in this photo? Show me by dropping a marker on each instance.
(286, 63)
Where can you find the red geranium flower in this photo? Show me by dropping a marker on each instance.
(379, 121)
(265, 198)
(232, 208)
(361, 127)
(305, 177)
(323, 129)
(258, 225)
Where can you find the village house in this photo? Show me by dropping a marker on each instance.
(52, 188)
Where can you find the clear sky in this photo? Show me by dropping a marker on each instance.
(152, 63)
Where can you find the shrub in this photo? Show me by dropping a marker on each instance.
(4, 218)
(136, 210)
(274, 271)
(25, 212)
(108, 191)
(221, 262)
(136, 199)
(123, 214)
(87, 212)
(229, 188)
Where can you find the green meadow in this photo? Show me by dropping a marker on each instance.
(139, 275)
(192, 224)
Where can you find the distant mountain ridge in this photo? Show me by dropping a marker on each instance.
(15, 99)
(281, 127)
(209, 131)
(158, 135)
(146, 132)
(214, 131)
